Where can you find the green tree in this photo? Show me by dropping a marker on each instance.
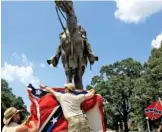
(154, 76)
(154, 73)
(116, 83)
(148, 88)
(140, 101)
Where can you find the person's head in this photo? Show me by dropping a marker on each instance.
(11, 114)
(69, 87)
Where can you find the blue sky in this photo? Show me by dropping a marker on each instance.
(30, 36)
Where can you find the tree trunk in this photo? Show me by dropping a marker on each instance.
(125, 124)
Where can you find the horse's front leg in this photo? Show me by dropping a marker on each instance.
(78, 77)
(69, 75)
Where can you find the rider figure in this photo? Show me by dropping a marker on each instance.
(64, 38)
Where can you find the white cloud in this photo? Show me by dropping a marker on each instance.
(25, 61)
(42, 65)
(23, 73)
(156, 43)
(22, 58)
(135, 11)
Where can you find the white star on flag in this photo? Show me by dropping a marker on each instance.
(38, 92)
(54, 120)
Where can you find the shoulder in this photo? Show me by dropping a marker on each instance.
(80, 96)
(3, 129)
(68, 95)
(22, 128)
(58, 94)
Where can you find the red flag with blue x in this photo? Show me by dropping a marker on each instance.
(47, 113)
(154, 110)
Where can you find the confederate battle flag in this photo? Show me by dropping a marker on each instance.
(47, 113)
(154, 110)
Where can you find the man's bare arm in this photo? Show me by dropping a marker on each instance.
(90, 94)
(50, 90)
(23, 128)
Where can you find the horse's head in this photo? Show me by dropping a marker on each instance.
(65, 40)
(64, 35)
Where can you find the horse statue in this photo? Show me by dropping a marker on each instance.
(74, 48)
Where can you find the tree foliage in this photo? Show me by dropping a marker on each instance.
(127, 87)
(116, 83)
(154, 73)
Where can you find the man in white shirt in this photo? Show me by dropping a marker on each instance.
(70, 104)
(12, 119)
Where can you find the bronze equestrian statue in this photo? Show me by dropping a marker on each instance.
(74, 48)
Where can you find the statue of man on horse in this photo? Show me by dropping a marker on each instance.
(74, 48)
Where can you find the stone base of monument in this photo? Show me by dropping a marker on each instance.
(47, 113)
